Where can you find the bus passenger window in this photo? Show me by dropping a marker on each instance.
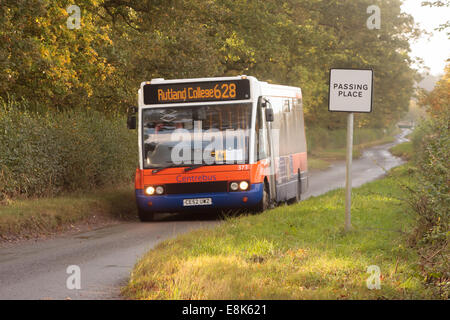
(287, 105)
(297, 104)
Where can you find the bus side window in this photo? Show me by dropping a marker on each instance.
(297, 104)
(287, 105)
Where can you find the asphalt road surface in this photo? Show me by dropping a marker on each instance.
(373, 164)
(38, 269)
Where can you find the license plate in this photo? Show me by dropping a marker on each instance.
(197, 202)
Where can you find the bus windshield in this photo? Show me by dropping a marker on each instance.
(196, 135)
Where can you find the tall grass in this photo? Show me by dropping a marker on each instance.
(45, 153)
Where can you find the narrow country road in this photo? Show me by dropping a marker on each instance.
(37, 270)
(373, 164)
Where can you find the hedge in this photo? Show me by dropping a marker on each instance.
(45, 153)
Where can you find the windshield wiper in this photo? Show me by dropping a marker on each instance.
(162, 168)
(195, 166)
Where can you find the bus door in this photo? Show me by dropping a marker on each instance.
(267, 142)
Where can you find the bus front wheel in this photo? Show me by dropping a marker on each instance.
(264, 204)
(145, 216)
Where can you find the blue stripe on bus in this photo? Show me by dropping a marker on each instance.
(222, 200)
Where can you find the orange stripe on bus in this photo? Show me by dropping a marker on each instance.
(255, 173)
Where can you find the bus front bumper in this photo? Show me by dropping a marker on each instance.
(220, 200)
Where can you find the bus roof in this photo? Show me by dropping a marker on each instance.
(276, 90)
(162, 80)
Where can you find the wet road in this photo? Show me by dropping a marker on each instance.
(373, 164)
(37, 270)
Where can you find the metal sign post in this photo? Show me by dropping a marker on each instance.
(348, 175)
(350, 91)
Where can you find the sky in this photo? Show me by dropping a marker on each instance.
(435, 50)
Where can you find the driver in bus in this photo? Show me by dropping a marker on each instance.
(159, 127)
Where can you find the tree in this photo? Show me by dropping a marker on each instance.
(124, 42)
(438, 100)
(49, 64)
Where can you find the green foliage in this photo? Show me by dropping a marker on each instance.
(45, 153)
(47, 63)
(122, 43)
(431, 198)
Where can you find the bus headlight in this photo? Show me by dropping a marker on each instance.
(150, 190)
(243, 185)
(159, 190)
(234, 186)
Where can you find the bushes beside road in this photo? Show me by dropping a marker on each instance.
(46, 153)
(431, 201)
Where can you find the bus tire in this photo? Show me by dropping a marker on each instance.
(299, 187)
(298, 195)
(264, 204)
(145, 216)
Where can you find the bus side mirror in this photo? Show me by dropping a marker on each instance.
(262, 102)
(269, 115)
(131, 121)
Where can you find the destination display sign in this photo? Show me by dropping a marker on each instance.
(197, 91)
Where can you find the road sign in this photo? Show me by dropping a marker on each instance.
(350, 90)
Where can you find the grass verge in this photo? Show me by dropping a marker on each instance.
(31, 218)
(292, 252)
(403, 150)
